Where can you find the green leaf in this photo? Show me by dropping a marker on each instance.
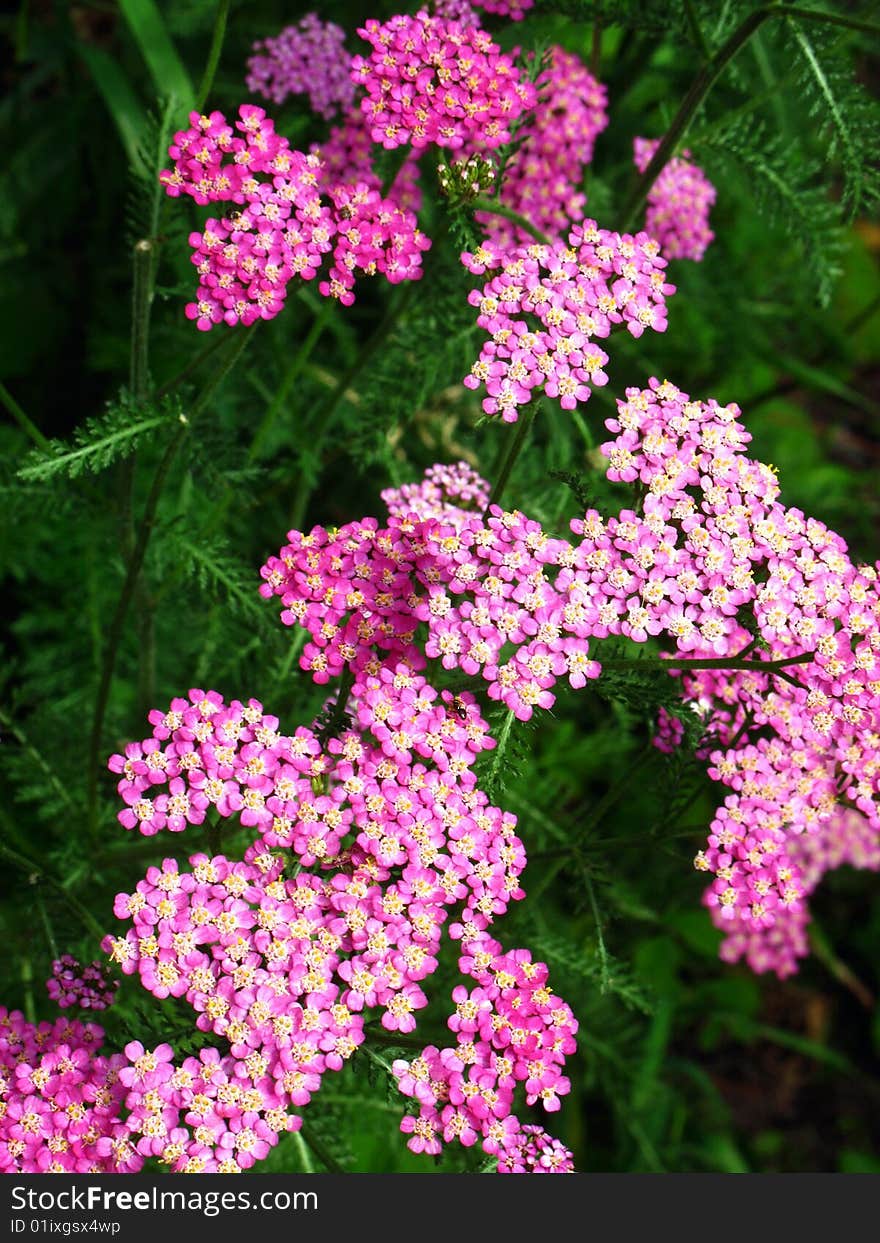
(123, 105)
(148, 27)
(98, 442)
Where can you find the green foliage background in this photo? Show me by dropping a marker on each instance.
(684, 1063)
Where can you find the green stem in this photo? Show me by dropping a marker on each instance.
(219, 340)
(27, 982)
(141, 303)
(699, 89)
(327, 414)
(300, 358)
(832, 19)
(35, 871)
(27, 426)
(47, 926)
(597, 919)
(596, 48)
(397, 163)
(291, 376)
(214, 831)
(517, 443)
(320, 1150)
(495, 208)
(214, 54)
(697, 29)
(337, 716)
(304, 1155)
(143, 266)
(238, 342)
(721, 662)
(822, 949)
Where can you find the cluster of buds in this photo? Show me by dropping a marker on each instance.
(462, 181)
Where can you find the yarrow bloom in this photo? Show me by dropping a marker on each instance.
(72, 984)
(445, 493)
(765, 584)
(308, 58)
(456, 11)
(544, 307)
(391, 835)
(282, 227)
(61, 1100)
(513, 1036)
(431, 80)
(514, 9)
(347, 156)
(845, 839)
(678, 204)
(714, 567)
(543, 177)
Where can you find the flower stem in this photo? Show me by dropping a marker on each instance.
(143, 273)
(821, 15)
(596, 48)
(37, 873)
(47, 927)
(320, 1150)
(141, 303)
(822, 949)
(721, 662)
(299, 361)
(397, 163)
(514, 449)
(237, 343)
(699, 89)
(337, 715)
(300, 358)
(494, 207)
(27, 425)
(214, 54)
(327, 414)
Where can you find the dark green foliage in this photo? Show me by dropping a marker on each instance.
(684, 1063)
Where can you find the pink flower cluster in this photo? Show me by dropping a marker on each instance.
(846, 839)
(60, 1100)
(543, 178)
(429, 80)
(283, 228)
(72, 984)
(678, 204)
(347, 156)
(514, 9)
(306, 59)
(209, 1115)
(536, 1152)
(511, 1032)
(714, 565)
(813, 617)
(455, 11)
(445, 493)
(284, 965)
(544, 307)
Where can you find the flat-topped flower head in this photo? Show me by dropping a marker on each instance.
(430, 80)
(543, 178)
(308, 58)
(545, 308)
(679, 202)
(289, 217)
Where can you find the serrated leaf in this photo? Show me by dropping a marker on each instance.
(98, 443)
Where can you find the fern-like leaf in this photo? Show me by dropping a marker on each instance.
(100, 441)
